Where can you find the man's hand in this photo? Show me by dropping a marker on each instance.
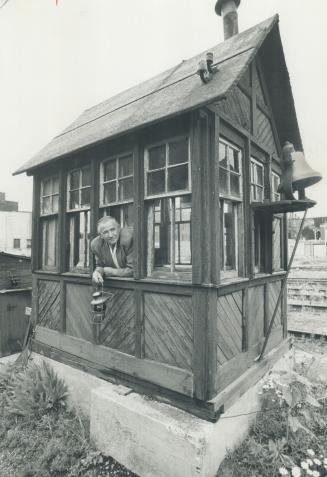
(97, 278)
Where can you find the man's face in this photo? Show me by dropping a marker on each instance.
(110, 232)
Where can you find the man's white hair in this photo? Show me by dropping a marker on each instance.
(105, 220)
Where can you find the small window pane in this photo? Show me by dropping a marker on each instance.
(109, 193)
(229, 236)
(86, 176)
(178, 152)
(85, 197)
(46, 205)
(222, 155)
(125, 166)
(47, 187)
(233, 158)
(74, 180)
(235, 185)
(110, 171)
(185, 243)
(126, 189)
(223, 181)
(157, 157)
(49, 242)
(74, 200)
(55, 185)
(55, 203)
(259, 194)
(156, 182)
(178, 178)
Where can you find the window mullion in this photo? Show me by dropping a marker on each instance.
(172, 234)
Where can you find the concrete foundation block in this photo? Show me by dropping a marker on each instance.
(157, 440)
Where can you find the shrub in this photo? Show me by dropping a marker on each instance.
(35, 391)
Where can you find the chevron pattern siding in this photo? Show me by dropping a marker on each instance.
(229, 326)
(49, 304)
(256, 315)
(119, 328)
(78, 311)
(238, 107)
(168, 329)
(274, 290)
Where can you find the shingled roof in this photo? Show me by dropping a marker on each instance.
(172, 92)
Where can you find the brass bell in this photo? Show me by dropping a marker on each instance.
(297, 174)
(303, 174)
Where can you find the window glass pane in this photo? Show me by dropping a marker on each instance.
(259, 195)
(46, 187)
(126, 189)
(109, 171)
(178, 152)
(223, 181)
(55, 203)
(157, 157)
(229, 236)
(74, 200)
(79, 238)
(156, 182)
(55, 185)
(125, 166)
(178, 178)
(49, 242)
(233, 159)
(86, 176)
(259, 175)
(235, 185)
(85, 197)
(128, 215)
(109, 192)
(253, 194)
(74, 180)
(185, 243)
(222, 155)
(46, 205)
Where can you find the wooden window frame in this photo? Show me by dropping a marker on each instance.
(15, 242)
(105, 207)
(80, 188)
(256, 185)
(167, 167)
(238, 211)
(228, 195)
(70, 213)
(51, 195)
(46, 217)
(275, 196)
(172, 270)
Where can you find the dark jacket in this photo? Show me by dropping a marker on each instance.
(124, 253)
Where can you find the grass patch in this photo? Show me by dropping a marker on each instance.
(289, 436)
(39, 436)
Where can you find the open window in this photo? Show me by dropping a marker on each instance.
(117, 189)
(275, 181)
(277, 243)
(78, 211)
(231, 210)
(49, 222)
(168, 209)
(257, 180)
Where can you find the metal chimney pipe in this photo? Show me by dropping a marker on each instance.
(228, 10)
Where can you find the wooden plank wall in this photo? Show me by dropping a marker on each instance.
(13, 321)
(242, 320)
(49, 304)
(168, 329)
(17, 268)
(237, 106)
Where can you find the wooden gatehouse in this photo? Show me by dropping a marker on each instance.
(188, 160)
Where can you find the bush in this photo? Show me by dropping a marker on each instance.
(35, 391)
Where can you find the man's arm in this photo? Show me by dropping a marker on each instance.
(98, 272)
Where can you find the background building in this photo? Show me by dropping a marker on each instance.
(15, 228)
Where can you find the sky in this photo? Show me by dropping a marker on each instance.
(58, 58)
